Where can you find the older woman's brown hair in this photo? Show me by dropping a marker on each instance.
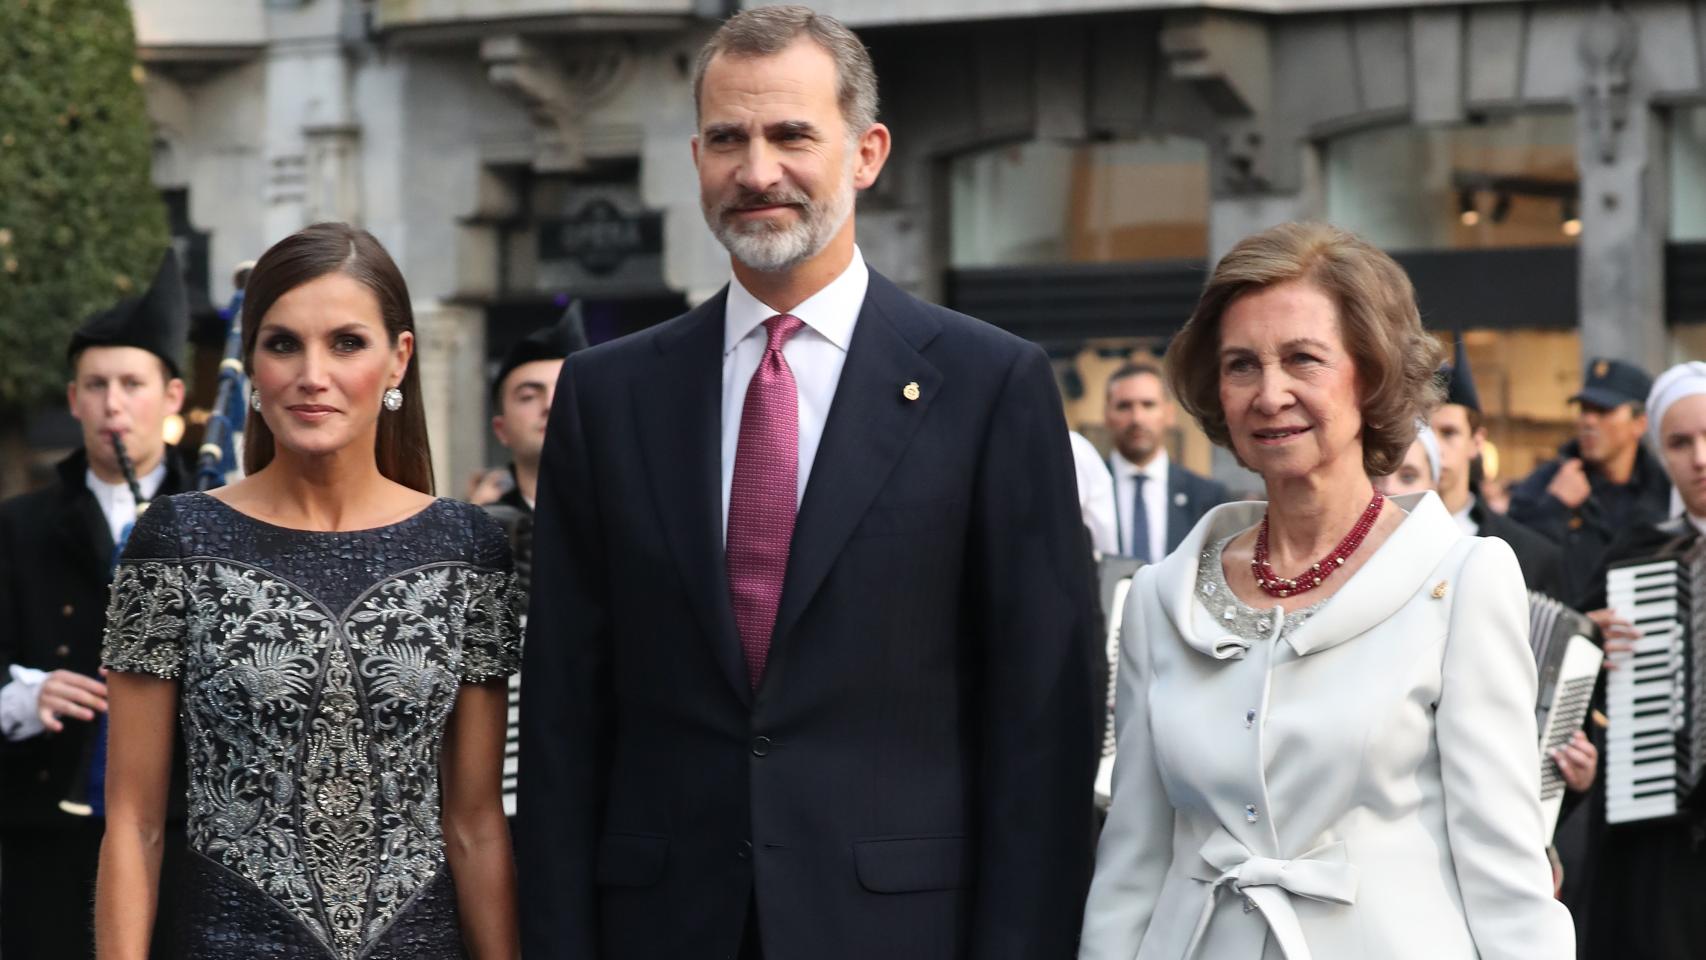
(1382, 329)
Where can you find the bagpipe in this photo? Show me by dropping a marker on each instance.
(87, 795)
(217, 461)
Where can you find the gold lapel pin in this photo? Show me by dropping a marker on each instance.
(1439, 590)
(911, 391)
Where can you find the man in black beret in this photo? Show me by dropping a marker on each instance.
(1458, 427)
(522, 393)
(1604, 481)
(57, 549)
(521, 396)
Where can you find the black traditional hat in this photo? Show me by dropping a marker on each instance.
(158, 321)
(1459, 382)
(555, 342)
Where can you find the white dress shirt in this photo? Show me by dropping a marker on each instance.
(1465, 522)
(1095, 496)
(1154, 500)
(815, 354)
(19, 697)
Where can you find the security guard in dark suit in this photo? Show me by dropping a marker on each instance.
(56, 555)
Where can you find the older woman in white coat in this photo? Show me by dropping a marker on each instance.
(1327, 744)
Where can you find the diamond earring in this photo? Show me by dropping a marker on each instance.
(393, 399)
(255, 400)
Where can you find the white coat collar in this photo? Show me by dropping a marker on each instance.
(1396, 572)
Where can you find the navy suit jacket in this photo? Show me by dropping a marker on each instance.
(912, 777)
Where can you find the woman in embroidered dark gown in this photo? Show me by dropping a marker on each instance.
(336, 640)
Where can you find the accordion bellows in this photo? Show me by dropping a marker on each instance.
(1567, 663)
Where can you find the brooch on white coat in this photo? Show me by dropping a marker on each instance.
(1439, 590)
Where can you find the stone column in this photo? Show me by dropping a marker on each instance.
(1620, 153)
(450, 349)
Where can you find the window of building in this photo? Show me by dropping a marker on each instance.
(1506, 181)
(1688, 174)
(1038, 203)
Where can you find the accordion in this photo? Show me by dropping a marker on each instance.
(1656, 741)
(1567, 663)
(519, 525)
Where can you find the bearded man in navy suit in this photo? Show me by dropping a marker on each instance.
(809, 663)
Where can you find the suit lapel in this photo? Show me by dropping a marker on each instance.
(680, 413)
(870, 424)
(1178, 506)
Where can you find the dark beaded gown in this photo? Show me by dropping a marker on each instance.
(317, 672)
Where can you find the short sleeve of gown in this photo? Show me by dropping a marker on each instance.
(146, 609)
(491, 637)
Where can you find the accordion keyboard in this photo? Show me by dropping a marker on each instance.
(1647, 696)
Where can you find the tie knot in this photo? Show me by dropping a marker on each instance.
(781, 327)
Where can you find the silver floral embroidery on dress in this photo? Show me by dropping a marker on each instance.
(1234, 615)
(314, 739)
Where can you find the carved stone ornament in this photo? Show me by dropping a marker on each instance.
(559, 87)
(1607, 49)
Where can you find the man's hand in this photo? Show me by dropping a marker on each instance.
(67, 694)
(1617, 634)
(1570, 484)
(1578, 761)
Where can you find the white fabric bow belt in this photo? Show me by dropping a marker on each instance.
(1321, 874)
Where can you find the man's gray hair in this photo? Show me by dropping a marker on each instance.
(765, 31)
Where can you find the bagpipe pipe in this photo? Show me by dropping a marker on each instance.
(217, 458)
(87, 795)
(216, 461)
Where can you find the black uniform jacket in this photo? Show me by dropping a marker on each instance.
(911, 780)
(56, 556)
(1586, 532)
(1539, 558)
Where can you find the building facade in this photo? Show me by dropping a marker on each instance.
(1064, 169)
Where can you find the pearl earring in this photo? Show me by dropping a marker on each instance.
(393, 399)
(255, 400)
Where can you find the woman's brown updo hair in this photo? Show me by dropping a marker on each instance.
(309, 254)
(1382, 329)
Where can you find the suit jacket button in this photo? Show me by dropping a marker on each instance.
(745, 851)
(67, 610)
(62, 651)
(42, 776)
(760, 746)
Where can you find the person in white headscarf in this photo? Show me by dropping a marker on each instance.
(1640, 896)
(1420, 470)
(1679, 385)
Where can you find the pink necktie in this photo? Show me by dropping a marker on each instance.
(762, 496)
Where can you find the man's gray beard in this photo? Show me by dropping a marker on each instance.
(769, 249)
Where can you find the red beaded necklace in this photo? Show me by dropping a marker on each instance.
(1275, 585)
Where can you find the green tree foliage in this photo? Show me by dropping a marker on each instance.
(81, 225)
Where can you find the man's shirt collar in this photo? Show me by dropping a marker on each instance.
(832, 311)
